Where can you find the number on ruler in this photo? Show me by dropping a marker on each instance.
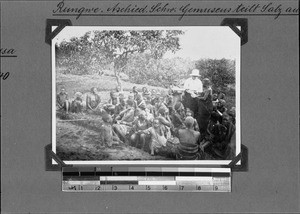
(98, 187)
(181, 187)
(131, 187)
(165, 187)
(216, 188)
(148, 187)
(198, 187)
(80, 187)
(114, 187)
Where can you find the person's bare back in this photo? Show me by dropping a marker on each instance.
(188, 136)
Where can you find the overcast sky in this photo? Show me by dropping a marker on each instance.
(213, 42)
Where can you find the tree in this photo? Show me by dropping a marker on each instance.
(117, 46)
(220, 72)
(142, 69)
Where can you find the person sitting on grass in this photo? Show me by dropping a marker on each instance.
(121, 106)
(149, 109)
(213, 131)
(131, 100)
(169, 103)
(135, 92)
(222, 148)
(178, 115)
(158, 138)
(215, 100)
(112, 103)
(221, 96)
(188, 148)
(221, 109)
(124, 121)
(163, 116)
(62, 100)
(160, 104)
(93, 101)
(154, 97)
(77, 103)
(140, 102)
(190, 113)
(212, 122)
(140, 124)
(164, 119)
(107, 135)
(119, 90)
(188, 135)
(145, 92)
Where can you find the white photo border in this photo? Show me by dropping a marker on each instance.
(151, 162)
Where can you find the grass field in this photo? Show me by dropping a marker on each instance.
(78, 134)
(83, 84)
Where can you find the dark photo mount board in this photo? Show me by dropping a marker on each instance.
(233, 23)
(269, 123)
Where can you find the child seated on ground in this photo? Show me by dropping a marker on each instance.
(112, 103)
(190, 113)
(93, 101)
(164, 119)
(141, 104)
(77, 104)
(158, 136)
(140, 124)
(124, 121)
(121, 106)
(62, 100)
(107, 135)
(178, 115)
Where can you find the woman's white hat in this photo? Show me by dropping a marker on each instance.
(195, 72)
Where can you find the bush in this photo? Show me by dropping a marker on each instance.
(220, 72)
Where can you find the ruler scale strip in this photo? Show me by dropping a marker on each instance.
(150, 179)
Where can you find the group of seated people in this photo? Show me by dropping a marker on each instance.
(156, 123)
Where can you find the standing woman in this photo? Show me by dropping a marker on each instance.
(205, 107)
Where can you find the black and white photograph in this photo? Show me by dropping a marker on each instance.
(149, 106)
(146, 95)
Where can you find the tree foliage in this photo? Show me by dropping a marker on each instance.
(102, 48)
(220, 72)
(143, 69)
(139, 54)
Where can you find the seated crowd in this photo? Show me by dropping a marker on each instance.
(158, 123)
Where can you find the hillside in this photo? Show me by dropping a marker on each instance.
(83, 84)
(78, 134)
